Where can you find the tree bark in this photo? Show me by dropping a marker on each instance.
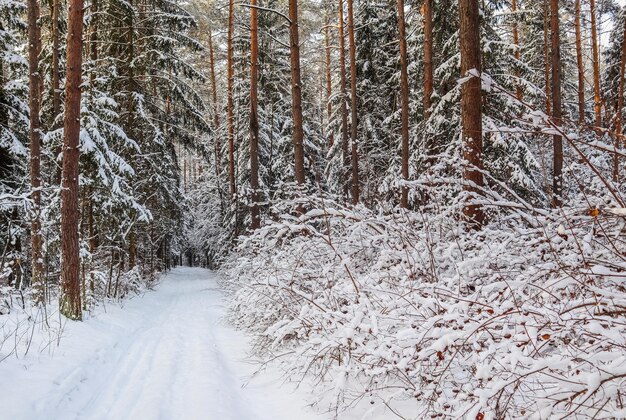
(428, 58)
(596, 65)
(296, 93)
(34, 49)
(70, 261)
(404, 95)
(344, 105)
(216, 117)
(329, 80)
(353, 106)
(471, 108)
(517, 53)
(557, 177)
(546, 55)
(56, 78)
(254, 119)
(580, 65)
(230, 104)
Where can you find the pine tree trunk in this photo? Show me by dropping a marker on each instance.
(70, 261)
(56, 77)
(471, 108)
(353, 106)
(329, 81)
(296, 92)
(216, 117)
(557, 178)
(255, 216)
(596, 65)
(580, 65)
(428, 73)
(230, 104)
(620, 105)
(546, 55)
(517, 53)
(404, 94)
(428, 59)
(34, 49)
(344, 105)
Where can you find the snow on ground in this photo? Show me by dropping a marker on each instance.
(165, 355)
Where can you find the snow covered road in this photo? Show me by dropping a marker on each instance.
(165, 355)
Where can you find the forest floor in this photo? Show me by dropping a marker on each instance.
(165, 355)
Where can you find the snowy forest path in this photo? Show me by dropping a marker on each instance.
(166, 355)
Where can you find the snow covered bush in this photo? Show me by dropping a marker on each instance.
(416, 315)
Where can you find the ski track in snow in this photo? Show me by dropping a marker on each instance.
(165, 356)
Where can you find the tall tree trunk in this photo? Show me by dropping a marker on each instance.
(517, 53)
(428, 59)
(596, 65)
(557, 177)
(254, 118)
(56, 77)
(34, 97)
(70, 262)
(546, 55)
(216, 117)
(296, 92)
(620, 105)
(580, 65)
(329, 80)
(353, 106)
(230, 104)
(427, 12)
(404, 95)
(471, 108)
(344, 105)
